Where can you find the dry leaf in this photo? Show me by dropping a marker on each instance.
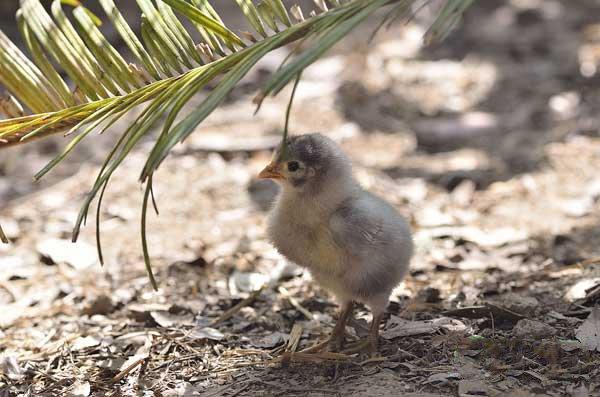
(442, 377)
(84, 343)
(580, 289)
(79, 255)
(247, 282)
(271, 340)
(589, 332)
(167, 320)
(398, 327)
(9, 367)
(207, 333)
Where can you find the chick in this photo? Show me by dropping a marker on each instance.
(355, 245)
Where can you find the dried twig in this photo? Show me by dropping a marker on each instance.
(283, 291)
(128, 370)
(292, 344)
(318, 357)
(315, 348)
(177, 360)
(295, 336)
(233, 310)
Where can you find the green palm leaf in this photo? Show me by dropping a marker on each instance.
(170, 68)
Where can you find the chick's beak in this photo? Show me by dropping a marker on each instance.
(271, 171)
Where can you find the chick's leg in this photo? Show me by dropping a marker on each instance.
(338, 335)
(373, 337)
(371, 343)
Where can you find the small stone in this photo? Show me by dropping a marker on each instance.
(526, 328)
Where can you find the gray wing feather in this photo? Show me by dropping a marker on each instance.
(366, 224)
(376, 240)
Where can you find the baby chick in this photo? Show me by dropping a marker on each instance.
(355, 245)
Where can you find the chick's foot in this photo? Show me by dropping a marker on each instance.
(371, 343)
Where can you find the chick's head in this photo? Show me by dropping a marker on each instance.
(306, 162)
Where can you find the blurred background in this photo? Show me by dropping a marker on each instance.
(515, 75)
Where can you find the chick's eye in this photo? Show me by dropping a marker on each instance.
(293, 166)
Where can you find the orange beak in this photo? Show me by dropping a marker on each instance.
(271, 171)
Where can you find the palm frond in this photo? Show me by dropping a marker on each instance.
(170, 68)
(3, 237)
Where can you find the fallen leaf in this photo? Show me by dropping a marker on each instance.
(82, 343)
(580, 289)
(449, 324)
(270, 341)
(589, 332)
(167, 320)
(16, 267)
(9, 367)
(247, 282)
(141, 312)
(79, 255)
(113, 364)
(570, 345)
(207, 333)
(489, 310)
(442, 377)
(137, 338)
(398, 327)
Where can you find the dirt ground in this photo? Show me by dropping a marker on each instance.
(489, 143)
